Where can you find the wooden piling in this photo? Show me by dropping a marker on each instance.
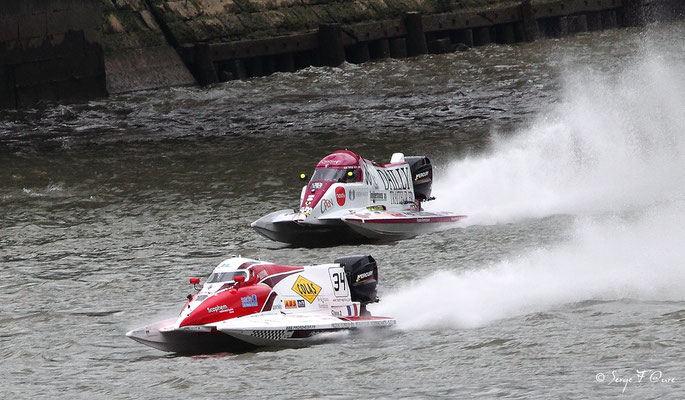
(633, 12)
(464, 36)
(481, 36)
(578, 24)
(255, 67)
(286, 63)
(398, 47)
(505, 34)
(358, 53)
(530, 24)
(416, 39)
(379, 49)
(205, 73)
(440, 46)
(594, 21)
(609, 19)
(331, 48)
(237, 67)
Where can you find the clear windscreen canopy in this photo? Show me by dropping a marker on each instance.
(343, 175)
(225, 276)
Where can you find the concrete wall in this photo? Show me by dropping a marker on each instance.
(193, 21)
(138, 56)
(49, 51)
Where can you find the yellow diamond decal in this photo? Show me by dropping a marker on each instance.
(306, 288)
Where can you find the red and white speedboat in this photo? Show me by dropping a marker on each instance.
(247, 303)
(349, 198)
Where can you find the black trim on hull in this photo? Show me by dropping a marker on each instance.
(307, 235)
(197, 343)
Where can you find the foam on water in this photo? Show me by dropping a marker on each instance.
(613, 143)
(612, 154)
(608, 258)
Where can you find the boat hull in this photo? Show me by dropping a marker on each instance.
(162, 336)
(324, 232)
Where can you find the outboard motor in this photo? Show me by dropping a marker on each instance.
(422, 176)
(362, 277)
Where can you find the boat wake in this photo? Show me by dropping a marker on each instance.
(614, 143)
(611, 154)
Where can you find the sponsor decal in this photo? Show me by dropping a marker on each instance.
(401, 197)
(352, 195)
(306, 211)
(336, 313)
(290, 303)
(396, 179)
(249, 301)
(326, 205)
(300, 303)
(221, 308)
(421, 175)
(306, 288)
(377, 196)
(317, 185)
(365, 276)
(376, 208)
(340, 195)
(369, 178)
(299, 327)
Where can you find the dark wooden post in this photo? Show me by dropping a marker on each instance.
(8, 95)
(416, 39)
(530, 24)
(609, 19)
(481, 36)
(594, 21)
(379, 49)
(398, 47)
(505, 34)
(464, 36)
(578, 24)
(358, 53)
(286, 62)
(204, 65)
(633, 12)
(331, 48)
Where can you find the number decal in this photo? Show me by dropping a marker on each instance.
(339, 282)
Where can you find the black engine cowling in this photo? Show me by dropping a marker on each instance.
(422, 176)
(362, 277)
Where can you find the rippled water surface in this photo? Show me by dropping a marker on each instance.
(568, 276)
